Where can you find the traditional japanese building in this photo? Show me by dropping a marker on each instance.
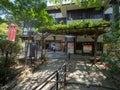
(68, 13)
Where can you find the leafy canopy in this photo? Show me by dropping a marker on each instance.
(32, 13)
(82, 3)
(79, 28)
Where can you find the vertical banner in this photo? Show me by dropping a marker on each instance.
(12, 32)
(70, 43)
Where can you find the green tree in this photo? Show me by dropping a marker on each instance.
(8, 53)
(31, 13)
(112, 40)
(82, 3)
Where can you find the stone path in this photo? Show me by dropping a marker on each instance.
(80, 74)
(83, 76)
(28, 80)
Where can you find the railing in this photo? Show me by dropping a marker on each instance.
(58, 76)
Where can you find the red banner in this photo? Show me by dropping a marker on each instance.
(12, 32)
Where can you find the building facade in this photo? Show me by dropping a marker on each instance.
(68, 13)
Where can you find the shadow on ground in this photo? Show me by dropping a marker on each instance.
(82, 75)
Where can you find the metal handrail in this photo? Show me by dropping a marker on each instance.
(55, 74)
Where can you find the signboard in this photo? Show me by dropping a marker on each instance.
(69, 42)
(70, 47)
(87, 48)
(70, 38)
(12, 32)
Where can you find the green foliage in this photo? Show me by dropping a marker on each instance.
(27, 13)
(112, 57)
(112, 40)
(44, 19)
(82, 3)
(3, 29)
(27, 9)
(5, 67)
(34, 13)
(6, 45)
(2, 20)
(14, 49)
(80, 25)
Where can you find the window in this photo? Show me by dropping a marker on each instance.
(84, 14)
(60, 20)
(108, 17)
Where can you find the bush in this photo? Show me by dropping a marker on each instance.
(5, 67)
(112, 58)
(13, 49)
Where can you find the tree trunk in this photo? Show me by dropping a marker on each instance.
(26, 52)
(95, 47)
(42, 43)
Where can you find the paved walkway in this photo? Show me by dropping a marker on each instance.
(83, 76)
(80, 76)
(28, 79)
